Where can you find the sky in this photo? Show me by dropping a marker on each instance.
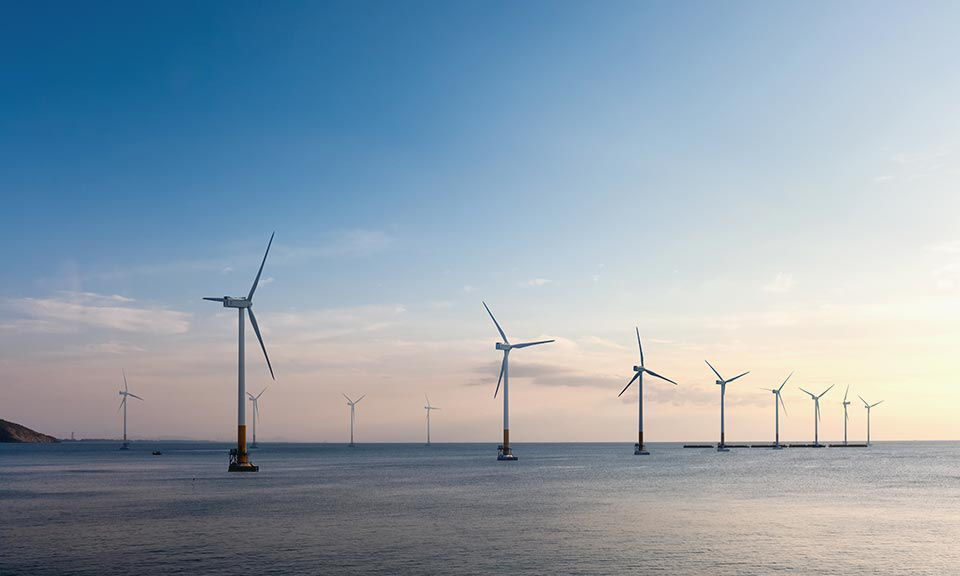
(768, 186)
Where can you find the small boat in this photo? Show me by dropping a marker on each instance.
(157, 453)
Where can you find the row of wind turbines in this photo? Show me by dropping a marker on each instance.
(504, 452)
(239, 456)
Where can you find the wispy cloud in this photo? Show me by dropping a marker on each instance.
(536, 282)
(72, 310)
(945, 247)
(782, 283)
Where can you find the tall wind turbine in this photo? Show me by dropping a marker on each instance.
(239, 461)
(845, 417)
(125, 393)
(353, 412)
(255, 401)
(429, 409)
(868, 406)
(816, 414)
(722, 447)
(503, 451)
(777, 402)
(639, 448)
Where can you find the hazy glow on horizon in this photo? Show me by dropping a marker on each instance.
(772, 188)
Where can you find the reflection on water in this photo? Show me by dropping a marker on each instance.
(84, 508)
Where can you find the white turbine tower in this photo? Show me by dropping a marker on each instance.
(429, 409)
(722, 447)
(255, 401)
(239, 461)
(353, 411)
(845, 417)
(124, 394)
(639, 448)
(777, 402)
(816, 414)
(868, 406)
(504, 452)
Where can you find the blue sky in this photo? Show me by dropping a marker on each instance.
(768, 182)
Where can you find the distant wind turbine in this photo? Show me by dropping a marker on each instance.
(255, 401)
(816, 413)
(639, 447)
(353, 412)
(868, 406)
(504, 451)
(777, 402)
(845, 417)
(429, 409)
(124, 394)
(722, 447)
(239, 461)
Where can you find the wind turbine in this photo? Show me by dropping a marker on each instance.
(868, 407)
(239, 462)
(639, 448)
(125, 393)
(816, 414)
(722, 447)
(353, 410)
(845, 417)
(777, 402)
(503, 451)
(255, 400)
(428, 408)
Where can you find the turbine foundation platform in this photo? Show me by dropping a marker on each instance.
(124, 446)
(243, 467)
(722, 449)
(505, 454)
(639, 450)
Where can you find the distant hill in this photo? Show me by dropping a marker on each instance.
(13, 432)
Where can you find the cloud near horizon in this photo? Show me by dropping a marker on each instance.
(73, 310)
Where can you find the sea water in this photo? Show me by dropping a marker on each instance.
(89, 508)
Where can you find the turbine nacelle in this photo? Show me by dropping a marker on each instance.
(503, 346)
(229, 302)
(638, 368)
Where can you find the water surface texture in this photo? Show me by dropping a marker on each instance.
(88, 508)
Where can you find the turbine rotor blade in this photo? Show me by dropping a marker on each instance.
(784, 383)
(215, 299)
(495, 323)
(134, 395)
(256, 328)
(719, 377)
(503, 367)
(782, 404)
(865, 403)
(810, 393)
(260, 271)
(635, 376)
(845, 393)
(740, 376)
(261, 392)
(347, 397)
(640, 346)
(878, 403)
(654, 374)
(525, 344)
(360, 398)
(825, 391)
(124, 372)
(121, 403)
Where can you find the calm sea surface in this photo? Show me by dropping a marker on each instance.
(87, 508)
